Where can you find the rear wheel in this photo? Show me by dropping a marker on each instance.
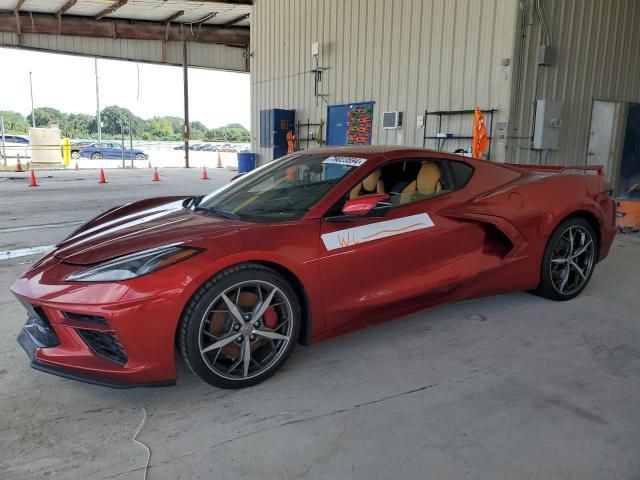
(240, 327)
(569, 260)
(139, 156)
(96, 156)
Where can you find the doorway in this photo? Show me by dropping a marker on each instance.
(605, 117)
(630, 165)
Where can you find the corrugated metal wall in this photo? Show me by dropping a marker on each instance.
(597, 46)
(407, 56)
(220, 57)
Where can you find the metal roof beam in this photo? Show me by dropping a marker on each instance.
(19, 5)
(110, 9)
(72, 25)
(233, 21)
(232, 2)
(174, 17)
(208, 16)
(66, 7)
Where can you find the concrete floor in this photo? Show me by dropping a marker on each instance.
(508, 387)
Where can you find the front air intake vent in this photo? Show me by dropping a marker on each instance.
(79, 317)
(104, 344)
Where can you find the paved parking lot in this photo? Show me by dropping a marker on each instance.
(508, 387)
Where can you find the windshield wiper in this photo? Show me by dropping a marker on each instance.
(217, 211)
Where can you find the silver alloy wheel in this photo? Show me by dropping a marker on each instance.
(140, 156)
(245, 330)
(96, 156)
(75, 155)
(572, 260)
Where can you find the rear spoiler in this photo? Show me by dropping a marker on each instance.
(558, 169)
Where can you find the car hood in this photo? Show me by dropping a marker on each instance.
(139, 226)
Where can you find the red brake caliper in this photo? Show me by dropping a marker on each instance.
(270, 318)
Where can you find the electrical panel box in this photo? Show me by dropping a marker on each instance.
(548, 123)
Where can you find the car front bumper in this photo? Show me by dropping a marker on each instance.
(113, 334)
(30, 342)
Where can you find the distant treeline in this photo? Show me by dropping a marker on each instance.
(83, 126)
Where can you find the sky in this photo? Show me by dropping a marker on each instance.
(67, 83)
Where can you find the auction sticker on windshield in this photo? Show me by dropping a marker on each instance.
(348, 161)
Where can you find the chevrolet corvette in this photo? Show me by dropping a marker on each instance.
(315, 244)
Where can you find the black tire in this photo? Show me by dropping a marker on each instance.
(140, 156)
(96, 156)
(559, 279)
(75, 155)
(199, 313)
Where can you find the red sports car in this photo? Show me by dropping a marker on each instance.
(304, 248)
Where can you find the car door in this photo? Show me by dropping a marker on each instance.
(114, 151)
(413, 256)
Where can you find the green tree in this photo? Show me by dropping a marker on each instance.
(14, 122)
(45, 116)
(198, 130)
(79, 125)
(113, 116)
(158, 128)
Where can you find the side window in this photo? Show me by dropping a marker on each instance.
(412, 180)
(461, 173)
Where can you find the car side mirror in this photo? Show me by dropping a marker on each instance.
(367, 205)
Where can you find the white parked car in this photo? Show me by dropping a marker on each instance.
(15, 145)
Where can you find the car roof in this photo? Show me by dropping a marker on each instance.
(357, 150)
(377, 154)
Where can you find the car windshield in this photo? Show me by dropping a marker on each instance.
(282, 190)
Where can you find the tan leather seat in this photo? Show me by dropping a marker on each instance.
(427, 183)
(372, 184)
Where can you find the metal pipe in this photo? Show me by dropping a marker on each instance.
(187, 130)
(122, 139)
(130, 142)
(33, 110)
(98, 120)
(4, 153)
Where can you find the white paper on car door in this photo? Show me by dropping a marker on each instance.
(375, 231)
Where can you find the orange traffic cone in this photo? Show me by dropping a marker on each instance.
(102, 178)
(32, 180)
(219, 161)
(156, 177)
(204, 175)
(19, 165)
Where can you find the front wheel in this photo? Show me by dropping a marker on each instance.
(75, 155)
(96, 156)
(240, 327)
(569, 260)
(140, 156)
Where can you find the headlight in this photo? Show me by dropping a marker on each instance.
(135, 265)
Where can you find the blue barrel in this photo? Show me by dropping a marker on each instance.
(246, 162)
